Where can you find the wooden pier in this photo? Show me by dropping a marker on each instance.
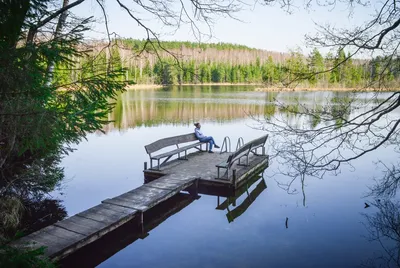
(202, 165)
(196, 173)
(66, 236)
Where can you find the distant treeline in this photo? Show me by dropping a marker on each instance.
(174, 62)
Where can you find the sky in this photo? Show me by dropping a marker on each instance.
(257, 26)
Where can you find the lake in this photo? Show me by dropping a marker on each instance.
(325, 227)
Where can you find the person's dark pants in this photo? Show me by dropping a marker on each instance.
(210, 140)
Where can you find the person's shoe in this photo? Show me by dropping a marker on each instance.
(216, 146)
(211, 152)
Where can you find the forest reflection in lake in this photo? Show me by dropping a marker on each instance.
(277, 229)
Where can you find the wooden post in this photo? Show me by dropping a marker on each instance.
(194, 189)
(234, 177)
(142, 221)
(145, 165)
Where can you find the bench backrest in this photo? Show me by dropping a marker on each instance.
(158, 145)
(245, 149)
(260, 141)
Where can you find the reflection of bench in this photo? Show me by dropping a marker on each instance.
(239, 210)
(242, 152)
(170, 141)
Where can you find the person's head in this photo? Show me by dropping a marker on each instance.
(197, 125)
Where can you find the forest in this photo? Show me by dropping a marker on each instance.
(176, 63)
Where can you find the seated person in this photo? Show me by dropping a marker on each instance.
(203, 138)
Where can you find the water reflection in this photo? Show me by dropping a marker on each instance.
(182, 106)
(250, 193)
(384, 229)
(113, 242)
(326, 232)
(41, 213)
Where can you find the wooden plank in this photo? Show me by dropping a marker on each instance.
(81, 225)
(50, 248)
(87, 222)
(166, 183)
(119, 209)
(147, 192)
(57, 232)
(55, 238)
(145, 196)
(257, 164)
(101, 214)
(117, 201)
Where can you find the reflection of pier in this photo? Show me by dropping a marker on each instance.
(250, 198)
(99, 251)
(102, 249)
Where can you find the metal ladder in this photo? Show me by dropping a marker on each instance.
(240, 143)
(226, 143)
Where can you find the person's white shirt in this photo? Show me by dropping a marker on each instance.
(198, 133)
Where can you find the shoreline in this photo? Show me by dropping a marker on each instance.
(155, 86)
(263, 89)
(277, 89)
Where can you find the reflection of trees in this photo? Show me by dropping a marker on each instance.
(314, 135)
(180, 106)
(23, 186)
(349, 128)
(40, 213)
(388, 185)
(29, 175)
(28, 214)
(384, 228)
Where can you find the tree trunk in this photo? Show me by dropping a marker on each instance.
(60, 24)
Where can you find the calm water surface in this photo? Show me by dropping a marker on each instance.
(326, 228)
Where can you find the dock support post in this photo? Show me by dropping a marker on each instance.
(234, 177)
(194, 189)
(145, 165)
(142, 221)
(263, 150)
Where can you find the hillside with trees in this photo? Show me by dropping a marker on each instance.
(173, 63)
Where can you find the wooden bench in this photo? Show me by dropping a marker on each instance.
(243, 151)
(259, 143)
(170, 141)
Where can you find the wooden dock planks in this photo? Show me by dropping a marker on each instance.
(151, 194)
(69, 235)
(65, 237)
